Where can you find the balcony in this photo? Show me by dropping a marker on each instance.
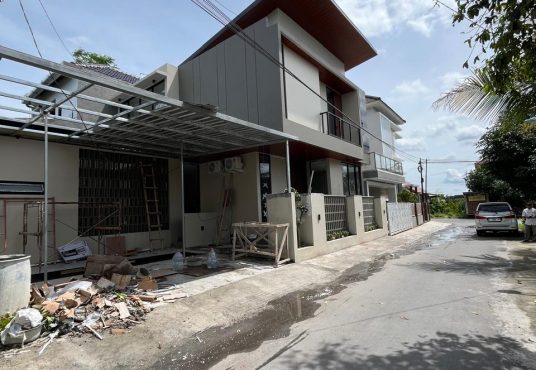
(339, 127)
(383, 163)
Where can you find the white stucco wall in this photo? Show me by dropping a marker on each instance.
(22, 160)
(303, 106)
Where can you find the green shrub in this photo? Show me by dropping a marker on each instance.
(337, 235)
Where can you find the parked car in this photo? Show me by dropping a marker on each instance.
(495, 216)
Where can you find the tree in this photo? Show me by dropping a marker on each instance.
(481, 180)
(508, 150)
(507, 29)
(87, 57)
(407, 196)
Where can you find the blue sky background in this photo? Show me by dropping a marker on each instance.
(420, 56)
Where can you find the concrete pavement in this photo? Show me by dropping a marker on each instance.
(188, 333)
(453, 304)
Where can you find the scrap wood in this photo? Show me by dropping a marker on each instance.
(104, 283)
(123, 310)
(121, 281)
(36, 296)
(172, 296)
(148, 284)
(147, 298)
(50, 339)
(93, 331)
(50, 307)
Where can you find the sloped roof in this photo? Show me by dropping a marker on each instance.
(377, 100)
(322, 19)
(107, 71)
(99, 68)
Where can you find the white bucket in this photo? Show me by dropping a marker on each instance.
(15, 282)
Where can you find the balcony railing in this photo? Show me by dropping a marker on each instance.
(386, 164)
(336, 126)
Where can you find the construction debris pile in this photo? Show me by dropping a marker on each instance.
(112, 297)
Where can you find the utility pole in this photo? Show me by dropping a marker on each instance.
(426, 187)
(419, 168)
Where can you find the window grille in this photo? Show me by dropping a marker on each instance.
(335, 208)
(108, 178)
(369, 214)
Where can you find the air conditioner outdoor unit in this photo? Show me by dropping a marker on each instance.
(233, 164)
(215, 167)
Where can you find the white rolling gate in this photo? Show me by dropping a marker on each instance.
(400, 217)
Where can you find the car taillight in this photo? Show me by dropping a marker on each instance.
(511, 215)
(478, 217)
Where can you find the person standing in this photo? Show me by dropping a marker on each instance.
(529, 216)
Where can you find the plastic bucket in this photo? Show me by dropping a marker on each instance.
(15, 282)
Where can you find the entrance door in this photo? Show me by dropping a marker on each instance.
(320, 176)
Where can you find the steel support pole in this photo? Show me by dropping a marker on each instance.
(287, 155)
(182, 200)
(45, 211)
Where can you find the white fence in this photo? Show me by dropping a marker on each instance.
(400, 217)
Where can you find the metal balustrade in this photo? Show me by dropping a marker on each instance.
(339, 127)
(387, 164)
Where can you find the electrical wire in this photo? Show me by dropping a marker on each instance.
(216, 13)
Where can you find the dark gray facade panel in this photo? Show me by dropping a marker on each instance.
(208, 63)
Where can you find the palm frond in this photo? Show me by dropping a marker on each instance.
(472, 99)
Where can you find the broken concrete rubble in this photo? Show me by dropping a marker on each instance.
(109, 303)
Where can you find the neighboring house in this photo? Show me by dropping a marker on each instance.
(383, 175)
(317, 43)
(313, 40)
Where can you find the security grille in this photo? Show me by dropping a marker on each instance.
(107, 178)
(368, 211)
(335, 208)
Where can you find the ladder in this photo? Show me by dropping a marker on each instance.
(152, 209)
(226, 202)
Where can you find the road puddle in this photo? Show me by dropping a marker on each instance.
(213, 345)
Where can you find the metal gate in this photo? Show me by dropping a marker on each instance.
(400, 217)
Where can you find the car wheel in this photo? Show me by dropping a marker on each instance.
(479, 232)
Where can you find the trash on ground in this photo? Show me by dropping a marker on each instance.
(113, 297)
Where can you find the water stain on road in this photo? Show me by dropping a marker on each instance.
(213, 345)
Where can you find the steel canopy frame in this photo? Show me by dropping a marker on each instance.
(158, 125)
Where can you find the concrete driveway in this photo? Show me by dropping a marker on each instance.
(452, 304)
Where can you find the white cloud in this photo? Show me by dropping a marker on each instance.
(453, 176)
(411, 88)
(412, 144)
(470, 133)
(379, 17)
(451, 79)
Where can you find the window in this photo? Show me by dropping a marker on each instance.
(106, 178)
(265, 183)
(351, 179)
(21, 187)
(192, 196)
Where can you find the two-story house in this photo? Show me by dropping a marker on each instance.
(383, 175)
(310, 46)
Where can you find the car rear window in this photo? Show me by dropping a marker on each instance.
(494, 208)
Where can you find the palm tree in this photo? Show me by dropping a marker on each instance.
(475, 98)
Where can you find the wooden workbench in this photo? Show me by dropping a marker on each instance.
(270, 240)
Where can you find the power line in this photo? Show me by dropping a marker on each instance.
(30, 28)
(54, 28)
(220, 16)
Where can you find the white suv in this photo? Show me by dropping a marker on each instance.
(495, 216)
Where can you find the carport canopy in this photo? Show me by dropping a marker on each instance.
(157, 125)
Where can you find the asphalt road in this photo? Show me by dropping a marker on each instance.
(439, 307)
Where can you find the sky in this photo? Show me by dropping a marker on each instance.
(420, 56)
